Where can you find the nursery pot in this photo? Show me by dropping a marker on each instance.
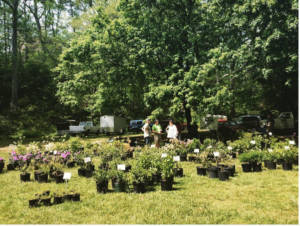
(33, 202)
(102, 186)
(230, 171)
(10, 167)
(120, 186)
(247, 167)
(36, 174)
(71, 164)
(296, 160)
(257, 167)
(271, 165)
(265, 163)
(68, 197)
(51, 173)
(88, 173)
(223, 175)
(178, 172)
(287, 166)
(2, 164)
(156, 177)
(139, 187)
(149, 181)
(233, 154)
(192, 158)
(201, 171)
(81, 172)
(59, 178)
(43, 178)
(166, 185)
(46, 202)
(25, 177)
(1, 170)
(75, 198)
(213, 173)
(57, 200)
(183, 158)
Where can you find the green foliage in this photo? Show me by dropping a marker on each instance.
(101, 176)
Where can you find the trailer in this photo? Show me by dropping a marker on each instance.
(62, 126)
(112, 124)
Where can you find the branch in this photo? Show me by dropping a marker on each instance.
(10, 5)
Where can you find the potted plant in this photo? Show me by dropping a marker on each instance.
(167, 166)
(75, 195)
(58, 197)
(102, 178)
(288, 156)
(203, 161)
(118, 180)
(25, 175)
(138, 175)
(43, 176)
(192, 145)
(2, 163)
(245, 159)
(45, 199)
(271, 156)
(57, 173)
(178, 170)
(33, 202)
(157, 168)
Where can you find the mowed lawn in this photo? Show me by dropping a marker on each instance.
(268, 197)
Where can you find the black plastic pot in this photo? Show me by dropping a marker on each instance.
(183, 158)
(36, 174)
(178, 172)
(46, 202)
(68, 197)
(120, 187)
(59, 178)
(156, 177)
(201, 171)
(43, 178)
(265, 163)
(212, 173)
(25, 177)
(81, 172)
(192, 158)
(271, 165)
(296, 160)
(230, 171)
(287, 166)
(1, 165)
(166, 185)
(257, 167)
(233, 154)
(223, 175)
(10, 167)
(102, 186)
(88, 173)
(71, 164)
(57, 200)
(33, 202)
(1, 170)
(247, 167)
(139, 187)
(75, 198)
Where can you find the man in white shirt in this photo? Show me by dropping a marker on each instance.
(147, 131)
(171, 130)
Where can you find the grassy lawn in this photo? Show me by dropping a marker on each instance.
(268, 197)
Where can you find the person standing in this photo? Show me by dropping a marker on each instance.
(147, 131)
(156, 129)
(171, 130)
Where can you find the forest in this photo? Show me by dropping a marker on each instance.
(80, 59)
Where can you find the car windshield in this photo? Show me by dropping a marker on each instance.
(85, 124)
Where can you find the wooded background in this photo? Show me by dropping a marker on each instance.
(81, 59)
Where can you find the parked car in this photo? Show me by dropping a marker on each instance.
(136, 126)
(85, 128)
(284, 121)
(248, 121)
(230, 127)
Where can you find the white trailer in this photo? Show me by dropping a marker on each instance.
(112, 124)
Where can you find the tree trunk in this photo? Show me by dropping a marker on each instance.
(14, 100)
(232, 88)
(192, 129)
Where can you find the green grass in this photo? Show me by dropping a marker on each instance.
(269, 197)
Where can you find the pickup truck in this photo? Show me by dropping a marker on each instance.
(84, 128)
(285, 121)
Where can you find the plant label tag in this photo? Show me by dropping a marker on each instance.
(196, 150)
(163, 155)
(292, 142)
(229, 148)
(287, 148)
(121, 167)
(67, 176)
(270, 150)
(88, 159)
(176, 158)
(152, 146)
(216, 154)
(252, 141)
(208, 147)
(55, 152)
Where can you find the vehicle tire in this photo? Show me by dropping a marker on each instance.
(87, 132)
(98, 132)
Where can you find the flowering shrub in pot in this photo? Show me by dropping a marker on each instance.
(102, 178)
(167, 166)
